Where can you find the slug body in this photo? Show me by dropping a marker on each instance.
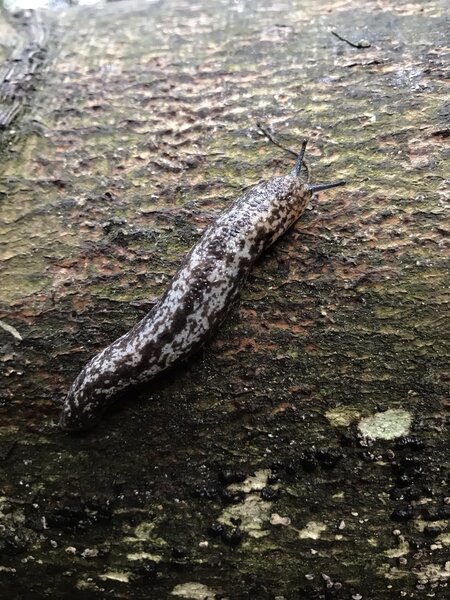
(196, 300)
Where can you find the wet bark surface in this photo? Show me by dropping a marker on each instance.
(304, 452)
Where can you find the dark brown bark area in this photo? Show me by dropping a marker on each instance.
(142, 130)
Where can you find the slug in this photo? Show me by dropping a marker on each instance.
(197, 299)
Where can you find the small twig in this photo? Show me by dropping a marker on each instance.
(12, 330)
(270, 137)
(359, 45)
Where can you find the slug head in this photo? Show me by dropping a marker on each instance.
(313, 188)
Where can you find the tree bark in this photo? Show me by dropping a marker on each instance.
(304, 453)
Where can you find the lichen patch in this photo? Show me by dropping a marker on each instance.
(253, 483)
(312, 530)
(386, 425)
(342, 416)
(434, 573)
(122, 576)
(253, 513)
(144, 556)
(194, 591)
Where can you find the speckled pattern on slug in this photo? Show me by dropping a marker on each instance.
(195, 303)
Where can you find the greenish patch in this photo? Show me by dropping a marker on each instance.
(254, 512)
(402, 548)
(342, 416)
(386, 425)
(312, 530)
(122, 576)
(444, 539)
(434, 573)
(145, 532)
(193, 591)
(140, 556)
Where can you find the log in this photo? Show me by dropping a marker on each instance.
(304, 452)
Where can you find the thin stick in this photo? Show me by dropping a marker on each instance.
(270, 137)
(359, 45)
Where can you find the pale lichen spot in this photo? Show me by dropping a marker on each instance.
(433, 573)
(122, 576)
(253, 483)
(145, 532)
(402, 549)
(193, 590)
(312, 530)
(444, 539)
(254, 512)
(342, 416)
(144, 556)
(387, 425)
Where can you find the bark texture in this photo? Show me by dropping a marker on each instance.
(304, 453)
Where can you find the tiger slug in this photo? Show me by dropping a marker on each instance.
(197, 298)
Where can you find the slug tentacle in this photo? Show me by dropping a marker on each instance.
(197, 299)
(318, 187)
(298, 164)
